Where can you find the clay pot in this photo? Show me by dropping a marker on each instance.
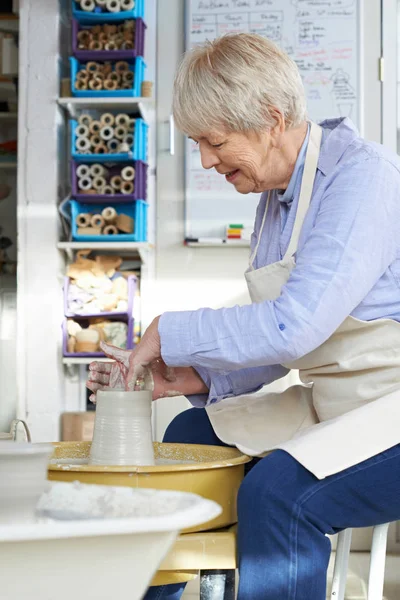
(122, 429)
(23, 478)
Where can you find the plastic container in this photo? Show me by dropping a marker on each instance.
(84, 55)
(129, 343)
(137, 152)
(137, 66)
(132, 281)
(137, 210)
(140, 192)
(103, 17)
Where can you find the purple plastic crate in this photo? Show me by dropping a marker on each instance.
(130, 343)
(140, 182)
(112, 55)
(132, 281)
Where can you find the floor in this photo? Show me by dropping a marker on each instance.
(356, 581)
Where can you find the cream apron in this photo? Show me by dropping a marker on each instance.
(348, 409)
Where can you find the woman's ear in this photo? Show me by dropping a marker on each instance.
(279, 128)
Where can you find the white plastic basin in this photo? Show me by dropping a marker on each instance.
(99, 554)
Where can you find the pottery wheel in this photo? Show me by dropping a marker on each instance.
(214, 472)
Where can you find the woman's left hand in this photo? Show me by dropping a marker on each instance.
(129, 365)
(144, 354)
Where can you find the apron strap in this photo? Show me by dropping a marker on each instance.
(307, 183)
(254, 253)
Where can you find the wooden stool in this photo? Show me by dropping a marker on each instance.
(212, 553)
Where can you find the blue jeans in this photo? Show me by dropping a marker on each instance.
(285, 513)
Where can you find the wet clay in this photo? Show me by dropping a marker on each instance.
(122, 429)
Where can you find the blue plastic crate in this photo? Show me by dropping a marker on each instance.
(138, 151)
(137, 210)
(104, 17)
(138, 67)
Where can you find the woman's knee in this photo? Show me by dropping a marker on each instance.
(277, 479)
(191, 426)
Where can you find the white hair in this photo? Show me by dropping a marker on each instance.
(234, 82)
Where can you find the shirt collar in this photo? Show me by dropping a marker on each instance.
(286, 196)
(337, 135)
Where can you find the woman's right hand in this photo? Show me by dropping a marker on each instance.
(166, 382)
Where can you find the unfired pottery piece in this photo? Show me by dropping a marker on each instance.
(23, 478)
(122, 429)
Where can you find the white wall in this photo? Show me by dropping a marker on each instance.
(39, 370)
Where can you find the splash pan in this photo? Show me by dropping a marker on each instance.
(212, 472)
(115, 541)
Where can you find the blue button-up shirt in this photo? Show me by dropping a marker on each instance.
(347, 263)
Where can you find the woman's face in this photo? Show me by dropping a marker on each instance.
(248, 160)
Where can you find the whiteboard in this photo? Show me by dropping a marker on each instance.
(321, 36)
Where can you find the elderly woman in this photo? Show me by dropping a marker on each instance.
(324, 280)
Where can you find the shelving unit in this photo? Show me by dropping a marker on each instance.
(143, 106)
(140, 248)
(82, 361)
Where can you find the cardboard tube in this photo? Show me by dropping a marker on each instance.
(88, 5)
(116, 182)
(127, 4)
(121, 67)
(127, 45)
(97, 221)
(109, 214)
(120, 132)
(123, 147)
(122, 120)
(99, 182)
(95, 127)
(106, 133)
(97, 170)
(107, 120)
(113, 6)
(82, 131)
(83, 171)
(128, 173)
(95, 45)
(111, 45)
(96, 84)
(110, 230)
(109, 84)
(127, 77)
(92, 66)
(107, 190)
(114, 76)
(81, 85)
(128, 139)
(100, 148)
(107, 69)
(85, 120)
(82, 144)
(95, 140)
(113, 145)
(125, 223)
(84, 36)
(83, 220)
(85, 183)
(127, 187)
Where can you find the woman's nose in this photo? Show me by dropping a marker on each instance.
(209, 158)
